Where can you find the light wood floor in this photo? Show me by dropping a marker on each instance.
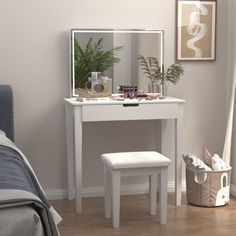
(135, 220)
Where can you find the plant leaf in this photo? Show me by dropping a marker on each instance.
(91, 58)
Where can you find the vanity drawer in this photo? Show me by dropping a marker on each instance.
(134, 111)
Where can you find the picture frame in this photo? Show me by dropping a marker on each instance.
(196, 30)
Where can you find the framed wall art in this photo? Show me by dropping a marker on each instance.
(196, 30)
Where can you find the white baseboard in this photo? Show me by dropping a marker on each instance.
(89, 192)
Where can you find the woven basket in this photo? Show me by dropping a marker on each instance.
(208, 188)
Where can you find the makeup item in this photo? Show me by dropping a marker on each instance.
(128, 91)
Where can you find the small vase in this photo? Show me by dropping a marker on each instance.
(157, 87)
(162, 88)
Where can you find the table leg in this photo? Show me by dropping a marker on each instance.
(107, 192)
(115, 199)
(70, 150)
(178, 156)
(78, 157)
(164, 136)
(152, 194)
(163, 194)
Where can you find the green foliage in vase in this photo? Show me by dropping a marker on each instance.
(152, 69)
(92, 58)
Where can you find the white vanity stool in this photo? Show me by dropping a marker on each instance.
(120, 164)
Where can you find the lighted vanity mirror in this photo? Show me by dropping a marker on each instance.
(125, 46)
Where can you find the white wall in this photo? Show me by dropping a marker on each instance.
(34, 59)
(231, 71)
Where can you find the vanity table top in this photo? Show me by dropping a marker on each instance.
(110, 101)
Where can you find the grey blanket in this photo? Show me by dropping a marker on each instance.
(19, 187)
(15, 174)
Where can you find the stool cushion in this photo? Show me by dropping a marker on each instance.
(121, 160)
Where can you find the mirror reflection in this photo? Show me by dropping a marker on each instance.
(114, 54)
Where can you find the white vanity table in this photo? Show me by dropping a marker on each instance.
(113, 110)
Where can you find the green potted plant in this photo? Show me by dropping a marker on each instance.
(92, 58)
(157, 74)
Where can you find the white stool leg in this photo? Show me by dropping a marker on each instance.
(115, 199)
(107, 192)
(152, 194)
(163, 194)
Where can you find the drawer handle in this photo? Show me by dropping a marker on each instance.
(131, 105)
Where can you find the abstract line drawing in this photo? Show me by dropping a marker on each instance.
(197, 29)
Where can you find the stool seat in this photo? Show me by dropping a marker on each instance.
(121, 160)
(119, 164)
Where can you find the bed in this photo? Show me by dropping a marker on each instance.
(24, 208)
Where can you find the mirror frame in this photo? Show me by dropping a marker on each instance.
(72, 41)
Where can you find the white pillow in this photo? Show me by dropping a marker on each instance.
(218, 163)
(195, 162)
